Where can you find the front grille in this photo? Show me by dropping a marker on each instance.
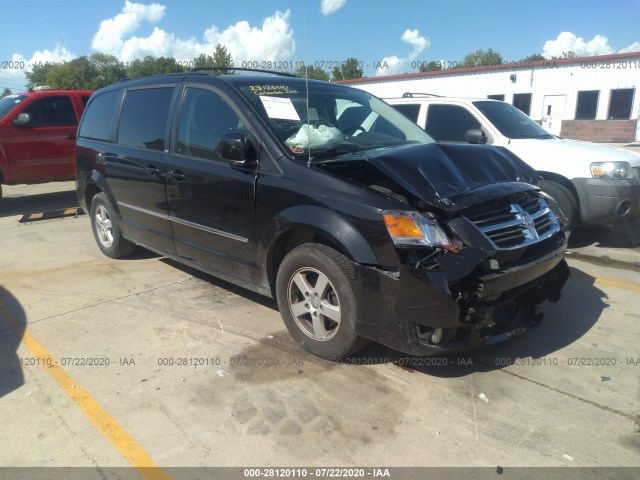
(524, 221)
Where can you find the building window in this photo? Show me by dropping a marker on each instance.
(620, 104)
(522, 101)
(496, 97)
(587, 105)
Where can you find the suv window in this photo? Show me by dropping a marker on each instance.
(144, 118)
(9, 102)
(449, 123)
(204, 118)
(411, 110)
(51, 112)
(510, 121)
(99, 120)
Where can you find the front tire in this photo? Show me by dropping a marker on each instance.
(567, 202)
(315, 293)
(106, 229)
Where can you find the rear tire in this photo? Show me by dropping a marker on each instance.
(315, 292)
(106, 229)
(567, 202)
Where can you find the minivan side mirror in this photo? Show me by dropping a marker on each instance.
(475, 135)
(22, 120)
(233, 148)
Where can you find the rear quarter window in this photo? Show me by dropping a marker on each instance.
(410, 110)
(99, 120)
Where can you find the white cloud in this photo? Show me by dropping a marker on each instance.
(634, 47)
(108, 39)
(272, 41)
(569, 42)
(393, 64)
(331, 6)
(14, 78)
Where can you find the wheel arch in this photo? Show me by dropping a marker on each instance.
(565, 182)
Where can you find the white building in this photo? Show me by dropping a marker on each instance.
(586, 98)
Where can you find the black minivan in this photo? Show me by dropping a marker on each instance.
(327, 199)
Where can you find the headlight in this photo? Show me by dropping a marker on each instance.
(611, 170)
(413, 229)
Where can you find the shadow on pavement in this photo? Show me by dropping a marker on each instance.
(620, 235)
(13, 322)
(40, 202)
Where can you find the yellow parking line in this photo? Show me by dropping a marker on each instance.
(105, 423)
(629, 286)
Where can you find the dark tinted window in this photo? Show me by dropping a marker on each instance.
(144, 118)
(449, 123)
(496, 97)
(587, 105)
(9, 102)
(99, 121)
(205, 117)
(510, 121)
(620, 104)
(411, 111)
(51, 111)
(522, 101)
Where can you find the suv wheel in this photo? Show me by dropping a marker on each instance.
(565, 199)
(315, 292)
(106, 229)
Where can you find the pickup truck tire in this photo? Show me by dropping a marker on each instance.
(106, 229)
(315, 293)
(567, 202)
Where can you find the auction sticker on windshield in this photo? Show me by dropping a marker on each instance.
(278, 107)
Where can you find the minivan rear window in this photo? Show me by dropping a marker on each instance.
(144, 118)
(98, 122)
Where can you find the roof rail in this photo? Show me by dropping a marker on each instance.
(231, 69)
(415, 94)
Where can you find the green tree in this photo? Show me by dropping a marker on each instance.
(569, 54)
(312, 72)
(108, 68)
(38, 74)
(5, 92)
(153, 66)
(536, 57)
(348, 70)
(432, 66)
(481, 58)
(221, 58)
(76, 74)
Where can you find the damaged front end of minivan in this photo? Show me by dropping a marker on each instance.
(478, 246)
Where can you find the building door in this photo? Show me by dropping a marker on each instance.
(552, 113)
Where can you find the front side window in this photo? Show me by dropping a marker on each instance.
(449, 123)
(9, 102)
(620, 104)
(410, 110)
(587, 105)
(144, 116)
(510, 121)
(51, 112)
(204, 118)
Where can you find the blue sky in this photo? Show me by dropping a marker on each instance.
(397, 32)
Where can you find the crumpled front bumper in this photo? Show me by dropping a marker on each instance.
(403, 310)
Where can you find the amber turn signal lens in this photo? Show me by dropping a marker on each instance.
(401, 226)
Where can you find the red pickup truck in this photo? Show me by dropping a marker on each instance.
(38, 135)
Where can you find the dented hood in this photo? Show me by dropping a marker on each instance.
(449, 176)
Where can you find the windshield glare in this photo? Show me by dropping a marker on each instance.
(339, 119)
(8, 103)
(510, 121)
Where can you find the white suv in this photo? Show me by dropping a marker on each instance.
(594, 184)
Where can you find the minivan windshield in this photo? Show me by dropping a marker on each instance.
(510, 121)
(330, 119)
(8, 103)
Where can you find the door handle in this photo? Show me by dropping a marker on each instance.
(70, 136)
(176, 175)
(153, 171)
